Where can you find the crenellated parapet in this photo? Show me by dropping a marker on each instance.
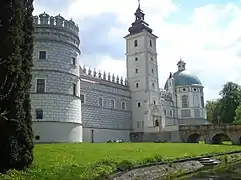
(104, 76)
(56, 21)
(165, 94)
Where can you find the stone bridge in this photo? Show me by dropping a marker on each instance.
(211, 134)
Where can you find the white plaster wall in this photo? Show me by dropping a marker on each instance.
(57, 107)
(61, 109)
(147, 60)
(57, 132)
(103, 135)
(194, 100)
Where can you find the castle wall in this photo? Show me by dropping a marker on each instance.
(169, 111)
(106, 121)
(55, 132)
(56, 108)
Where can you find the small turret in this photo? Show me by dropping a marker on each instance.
(59, 20)
(181, 65)
(170, 82)
(99, 74)
(104, 76)
(108, 77)
(44, 18)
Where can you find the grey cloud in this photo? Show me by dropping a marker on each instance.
(54, 5)
(94, 37)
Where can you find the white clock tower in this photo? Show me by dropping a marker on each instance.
(142, 76)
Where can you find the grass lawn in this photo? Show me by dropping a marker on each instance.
(71, 161)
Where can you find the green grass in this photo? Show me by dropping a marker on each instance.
(78, 161)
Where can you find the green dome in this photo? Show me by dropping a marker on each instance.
(183, 78)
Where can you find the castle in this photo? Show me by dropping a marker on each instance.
(73, 104)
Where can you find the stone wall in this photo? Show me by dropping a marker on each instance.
(58, 40)
(107, 122)
(167, 136)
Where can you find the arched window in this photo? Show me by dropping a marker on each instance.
(156, 123)
(184, 101)
(135, 43)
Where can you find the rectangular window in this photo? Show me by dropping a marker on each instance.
(140, 124)
(136, 70)
(39, 113)
(73, 60)
(123, 105)
(40, 86)
(197, 113)
(150, 43)
(74, 89)
(82, 98)
(42, 55)
(186, 113)
(100, 102)
(137, 85)
(171, 113)
(152, 70)
(112, 104)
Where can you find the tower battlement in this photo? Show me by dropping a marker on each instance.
(58, 21)
(115, 79)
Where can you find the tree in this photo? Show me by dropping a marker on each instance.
(16, 44)
(213, 111)
(231, 99)
(238, 115)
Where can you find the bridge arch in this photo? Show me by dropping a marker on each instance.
(194, 138)
(219, 138)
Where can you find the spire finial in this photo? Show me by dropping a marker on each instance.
(139, 3)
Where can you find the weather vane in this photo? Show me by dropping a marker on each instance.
(139, 3)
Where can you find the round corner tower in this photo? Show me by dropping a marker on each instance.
(55, 91)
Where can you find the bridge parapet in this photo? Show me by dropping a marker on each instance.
(214, 127)
(212, 133)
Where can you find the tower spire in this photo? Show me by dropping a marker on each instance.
(139, 24)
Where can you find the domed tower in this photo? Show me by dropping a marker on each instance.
(55, 92)
(189, 97)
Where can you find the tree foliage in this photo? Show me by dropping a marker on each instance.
(223, 110)
(16, 46)
(213, 111)
(230, 100)
(238, 115)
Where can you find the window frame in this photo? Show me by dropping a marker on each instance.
(36, 85)
(123, 102)
(46, 55)
(84, 98)
(39, 114)
(73, 60)
(112, 104)
(102, 101)
(135, 43)
(185, 103)
(74, 89)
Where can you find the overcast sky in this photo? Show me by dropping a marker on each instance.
(205, 33)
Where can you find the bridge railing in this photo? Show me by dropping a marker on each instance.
(223, 127)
